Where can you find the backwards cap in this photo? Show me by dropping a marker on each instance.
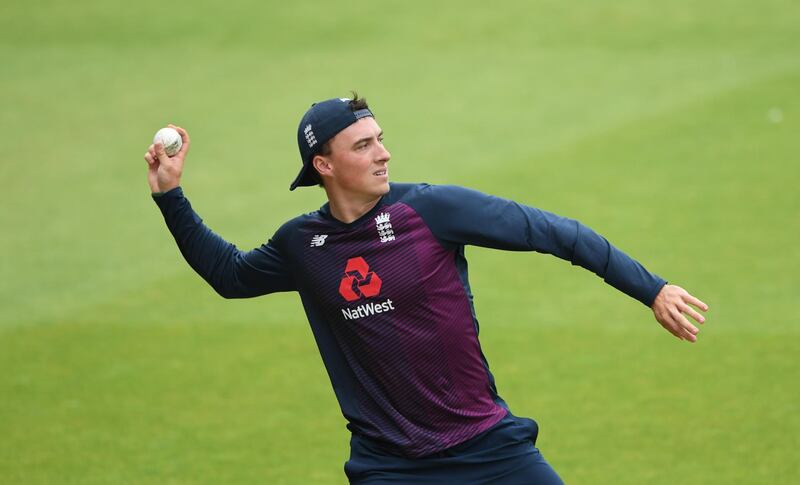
(322, 122)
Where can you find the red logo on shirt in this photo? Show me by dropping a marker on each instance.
(359, 281)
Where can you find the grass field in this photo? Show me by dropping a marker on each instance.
(669, 128)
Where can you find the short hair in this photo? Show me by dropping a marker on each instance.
(355, 104)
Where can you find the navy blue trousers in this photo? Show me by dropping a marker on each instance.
(504, 454)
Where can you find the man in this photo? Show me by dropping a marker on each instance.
(382, 275)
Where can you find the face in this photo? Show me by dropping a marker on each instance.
(358, 163)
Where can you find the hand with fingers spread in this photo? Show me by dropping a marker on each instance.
(164, 172)
(669, 307)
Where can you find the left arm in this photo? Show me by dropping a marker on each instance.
(463, 216)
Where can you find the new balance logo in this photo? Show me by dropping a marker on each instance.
(318, 240)
(359, 281)
(384, 227)
(311, 139)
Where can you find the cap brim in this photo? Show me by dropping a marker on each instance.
(303, 179)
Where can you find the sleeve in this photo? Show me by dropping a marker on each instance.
(231, 272)
(461, 216)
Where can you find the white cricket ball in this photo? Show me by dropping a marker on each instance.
(171, 139)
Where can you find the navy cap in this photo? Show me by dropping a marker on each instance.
(322, 122)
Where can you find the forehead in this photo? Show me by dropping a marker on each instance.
(363, 128)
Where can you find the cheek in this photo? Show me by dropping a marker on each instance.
(354, 171)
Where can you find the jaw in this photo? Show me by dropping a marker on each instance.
(348, 203)
(369, 188)
(360, 184)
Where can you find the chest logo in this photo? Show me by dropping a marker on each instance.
(359, 281)
(318, 240)
(384, 226)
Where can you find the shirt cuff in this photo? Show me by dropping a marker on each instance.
(177, 191)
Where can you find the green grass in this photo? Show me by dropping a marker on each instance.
(667, 128)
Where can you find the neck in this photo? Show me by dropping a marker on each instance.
(348, 208)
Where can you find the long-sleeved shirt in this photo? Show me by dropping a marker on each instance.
(389, 301)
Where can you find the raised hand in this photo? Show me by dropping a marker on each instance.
(669, 307)
(163, 172)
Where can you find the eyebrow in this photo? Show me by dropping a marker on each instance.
(367, 138)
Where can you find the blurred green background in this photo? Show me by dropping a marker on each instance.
(669, 128)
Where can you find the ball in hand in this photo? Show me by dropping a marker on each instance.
(171, 139)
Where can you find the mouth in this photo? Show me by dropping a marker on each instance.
(381, 173)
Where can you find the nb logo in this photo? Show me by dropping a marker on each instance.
(318, 240)
(359, 281)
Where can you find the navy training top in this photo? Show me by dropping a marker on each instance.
(389, 302)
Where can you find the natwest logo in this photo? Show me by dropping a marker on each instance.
(359, 281)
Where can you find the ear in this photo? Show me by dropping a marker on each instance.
(323, 165)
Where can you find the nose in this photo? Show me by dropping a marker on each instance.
(383, 154)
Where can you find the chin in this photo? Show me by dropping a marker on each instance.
(377, 187)
(384, 188)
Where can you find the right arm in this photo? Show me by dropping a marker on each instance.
(231, 272)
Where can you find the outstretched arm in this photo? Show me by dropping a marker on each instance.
(231, 272)
(462, 216)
